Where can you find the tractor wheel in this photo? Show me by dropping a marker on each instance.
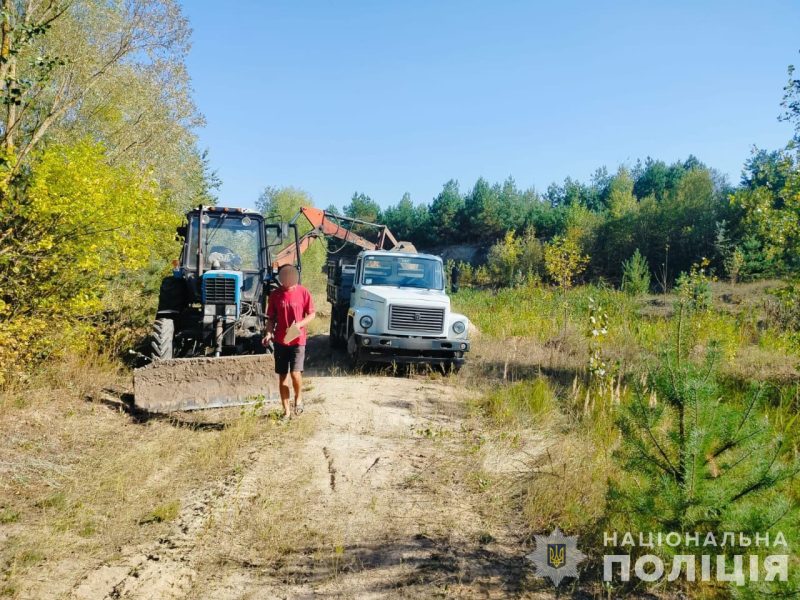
(172, 295)
(161, 337)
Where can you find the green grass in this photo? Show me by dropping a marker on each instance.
(163, 513)
(521, 402)
(8, 515)
(639, 328)
(532, 370)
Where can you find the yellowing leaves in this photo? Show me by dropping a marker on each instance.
(77, 225)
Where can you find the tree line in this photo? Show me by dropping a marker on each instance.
(672, 216)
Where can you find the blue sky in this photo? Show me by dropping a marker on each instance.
(393, 97)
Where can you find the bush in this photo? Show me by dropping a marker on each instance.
(514, 260)
(636, 275)
(782, 308)
(531, 258)
(503, 260)
(694, 287)
(72, 228)
(564, 261)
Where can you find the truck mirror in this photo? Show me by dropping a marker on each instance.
(181, 231)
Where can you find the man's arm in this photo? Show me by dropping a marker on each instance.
(269, 325)
(306, 320)
(308, 309)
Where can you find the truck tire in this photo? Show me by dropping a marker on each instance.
(452, 368)
(336, 334)
(333, 338)
(161, 337)
(354, 352)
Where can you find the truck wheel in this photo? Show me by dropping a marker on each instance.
(334, 340)
(354, 352)
(336, 337)
(161, 337)
(451, 368)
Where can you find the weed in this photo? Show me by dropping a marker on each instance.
(524, 402)
(8, 515)
(163, 513)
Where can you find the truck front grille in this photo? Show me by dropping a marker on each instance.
(415, 318)
(220, 290)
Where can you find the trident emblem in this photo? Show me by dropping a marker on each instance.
(552, 558)
(556, 555)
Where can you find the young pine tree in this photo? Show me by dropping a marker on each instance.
(636, 275)
(693, 460)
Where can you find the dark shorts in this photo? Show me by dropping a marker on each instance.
(289, 358)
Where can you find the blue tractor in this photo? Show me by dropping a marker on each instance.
(211, 308)
(215, 301)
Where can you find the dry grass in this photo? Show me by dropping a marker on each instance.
(566, 486)
(82, 476)
(545, 453)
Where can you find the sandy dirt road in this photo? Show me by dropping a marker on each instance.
(372, 496)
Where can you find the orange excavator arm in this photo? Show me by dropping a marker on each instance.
(324, 223)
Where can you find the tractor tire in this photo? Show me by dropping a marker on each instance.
(161, 336)
(172, 296)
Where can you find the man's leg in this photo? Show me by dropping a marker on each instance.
(296, 368)
(297, 384)
(282, 367)
(283, 384)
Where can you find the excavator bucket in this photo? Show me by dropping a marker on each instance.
(205, 382)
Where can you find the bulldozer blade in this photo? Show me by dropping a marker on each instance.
(205, 382)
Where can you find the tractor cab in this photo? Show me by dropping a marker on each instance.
(225, 240)
(215, 300)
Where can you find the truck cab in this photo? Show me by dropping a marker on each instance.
(397, 310)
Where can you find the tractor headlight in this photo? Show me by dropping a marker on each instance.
(230, 310)
(459, 327)
(365, 321)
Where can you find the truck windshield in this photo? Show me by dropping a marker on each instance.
(231, 240)
(403, 271)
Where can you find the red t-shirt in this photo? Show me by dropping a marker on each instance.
(289, 306)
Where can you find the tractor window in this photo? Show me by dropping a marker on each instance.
(403, 271)
(229, 241)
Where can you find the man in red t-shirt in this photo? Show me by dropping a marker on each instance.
(289, 305)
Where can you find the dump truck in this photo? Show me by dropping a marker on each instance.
(205, 345)
(388, 302)
(390, 306)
